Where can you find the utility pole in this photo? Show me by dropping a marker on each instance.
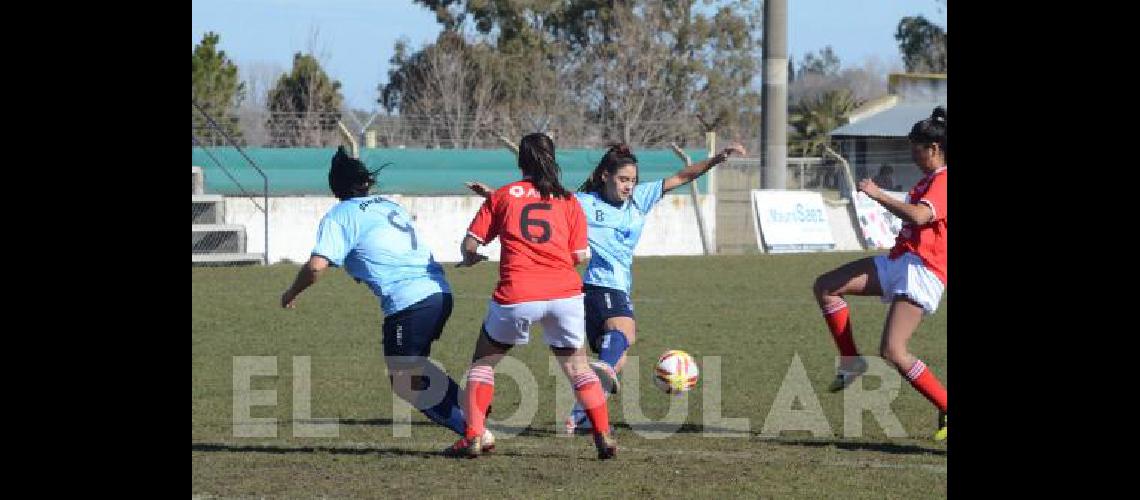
(774, 134)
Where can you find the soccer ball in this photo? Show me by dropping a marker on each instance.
(676, 372)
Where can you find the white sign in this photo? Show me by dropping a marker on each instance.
(878, 226)
(791, 221)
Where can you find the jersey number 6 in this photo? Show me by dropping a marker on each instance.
(526, 223)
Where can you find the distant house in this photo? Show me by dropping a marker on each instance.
(875, 135)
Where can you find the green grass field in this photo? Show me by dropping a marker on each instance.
(755, 312)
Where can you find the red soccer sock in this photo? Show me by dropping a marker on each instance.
(588, 390)
(925, 382)
(839, 322)
(480, 392)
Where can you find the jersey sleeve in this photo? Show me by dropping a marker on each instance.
(648, 194)
(935, 197)
(482, 226)
(334, 241)
(578, 227)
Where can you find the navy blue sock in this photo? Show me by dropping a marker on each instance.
(613, 345)
(447, 412)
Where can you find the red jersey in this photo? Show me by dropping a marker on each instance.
(927, 241)
(538, 239)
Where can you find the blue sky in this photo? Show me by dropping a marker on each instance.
(356, 36)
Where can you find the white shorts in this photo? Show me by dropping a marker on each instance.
(908, 276)
(563, 321)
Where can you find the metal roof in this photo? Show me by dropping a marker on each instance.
(893, 122)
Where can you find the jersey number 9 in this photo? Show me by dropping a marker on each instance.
(407, 228)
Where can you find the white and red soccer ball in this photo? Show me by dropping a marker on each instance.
(676, 372)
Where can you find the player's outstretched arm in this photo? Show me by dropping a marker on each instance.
(309, 274)
(691, 172)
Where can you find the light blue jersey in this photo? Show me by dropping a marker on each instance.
(375, 241)
(613, 234)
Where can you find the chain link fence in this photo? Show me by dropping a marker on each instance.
(213, 242)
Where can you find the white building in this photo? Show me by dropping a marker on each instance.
(875, 135)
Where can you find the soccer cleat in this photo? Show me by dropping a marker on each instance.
(466, 447)
(607, 375)
(578, 422)
(606, 445)
(940, 435)
(846, 377)
(488, 441)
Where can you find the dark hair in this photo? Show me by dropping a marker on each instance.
(348, 177)
(931, 130)
(536, 160)
(618, 156)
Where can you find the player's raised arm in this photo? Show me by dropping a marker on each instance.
(691, 172)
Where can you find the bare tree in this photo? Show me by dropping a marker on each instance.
(865, 82)
(635, 86)
(259, 77)
(453, 84)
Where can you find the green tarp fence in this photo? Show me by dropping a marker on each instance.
(304, 171)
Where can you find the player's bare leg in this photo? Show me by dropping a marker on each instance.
(628, 327)
(608, 375)
(480, 393)
(588, 391)
(902, 321)
(858, 277)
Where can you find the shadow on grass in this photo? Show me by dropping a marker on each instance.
(853, 445)
(356, 450)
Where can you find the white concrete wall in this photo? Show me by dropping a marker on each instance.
(441, 222)
(842, 223)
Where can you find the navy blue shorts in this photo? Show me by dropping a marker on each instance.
(411, 331)
(601, 304)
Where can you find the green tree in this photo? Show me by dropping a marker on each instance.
(217, 89)
(590, 71)
(449, 86)
(305, 105)
(812, 119)
(447, 12)
(922, 44)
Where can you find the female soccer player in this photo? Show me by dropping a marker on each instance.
(374, 238)
(543, 235)
(910, 278)
(616, 207)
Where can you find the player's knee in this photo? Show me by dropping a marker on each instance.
(894, 354)
(820, 287)
(574, 367)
